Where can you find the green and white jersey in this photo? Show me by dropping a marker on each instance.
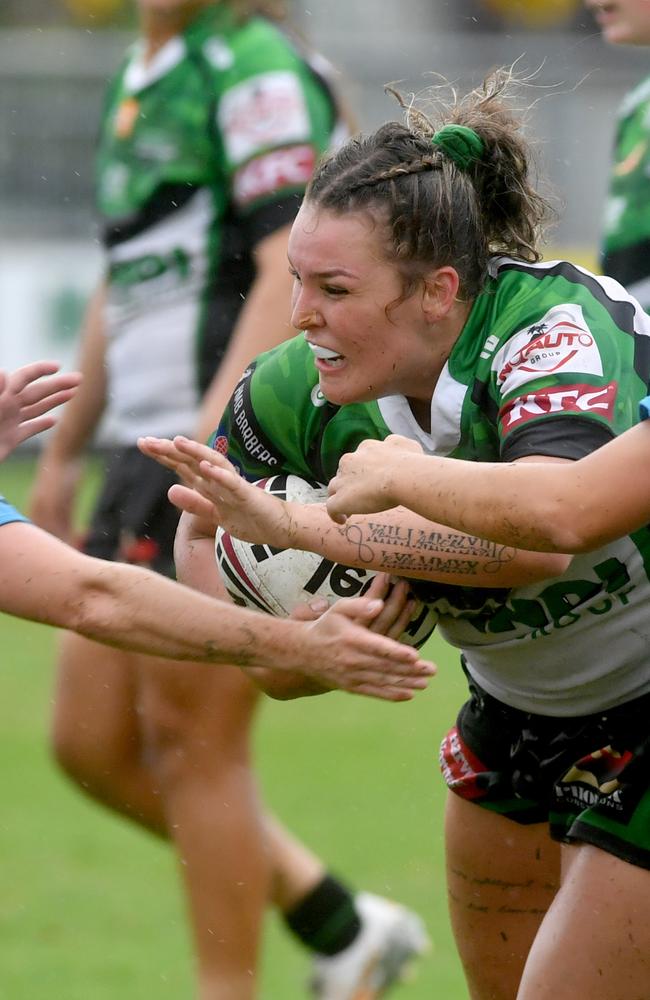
(552, 361)
(626, 246)
(203, 152)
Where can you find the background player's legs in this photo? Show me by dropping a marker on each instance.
(595, 940)
(97, 733)
(197, 722)
(296, 869)
(167, 746)
(172, 754)
(501, 878)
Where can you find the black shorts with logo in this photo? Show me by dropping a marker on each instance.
(133, 520)
(588, 777)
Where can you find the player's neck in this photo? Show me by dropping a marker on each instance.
(157, 26)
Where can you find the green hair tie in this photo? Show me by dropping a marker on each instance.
(461, 144)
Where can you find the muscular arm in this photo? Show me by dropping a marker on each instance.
(403, 543)
(567, 507)
(43, 579)
(263, 323)
(396, 541)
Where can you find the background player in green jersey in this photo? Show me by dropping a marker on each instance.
(626, 243)
(417, 324)
(210, 132)
(45, 580)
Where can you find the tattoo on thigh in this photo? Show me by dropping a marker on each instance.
(475, 883)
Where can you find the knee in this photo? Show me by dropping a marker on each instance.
(92, 757)
(193, 737)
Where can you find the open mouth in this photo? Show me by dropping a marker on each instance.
(324, 354)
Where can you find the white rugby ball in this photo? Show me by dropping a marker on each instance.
(276, 580)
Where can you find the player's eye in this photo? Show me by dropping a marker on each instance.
(335, 290)
(294, 274)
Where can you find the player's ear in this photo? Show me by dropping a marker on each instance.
(440, 288)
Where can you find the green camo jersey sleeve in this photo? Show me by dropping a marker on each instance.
(552, 362)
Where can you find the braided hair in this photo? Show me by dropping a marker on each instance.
(436, 211)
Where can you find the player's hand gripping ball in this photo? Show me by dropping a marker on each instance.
(276, 580)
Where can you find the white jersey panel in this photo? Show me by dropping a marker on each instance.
(446, 412)
(154, 389)
(566, 673)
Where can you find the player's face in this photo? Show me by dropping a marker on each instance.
(364, 347)
(622, 22)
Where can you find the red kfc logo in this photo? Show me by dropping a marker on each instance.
(559, 399)
(282, 168)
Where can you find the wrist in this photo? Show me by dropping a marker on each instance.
(293, 527)
(396, 481)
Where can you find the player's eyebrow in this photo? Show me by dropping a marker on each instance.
(329, 272)
(333, 272)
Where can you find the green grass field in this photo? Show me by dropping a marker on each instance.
(90, 907)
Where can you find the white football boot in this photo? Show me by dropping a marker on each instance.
(390, 939)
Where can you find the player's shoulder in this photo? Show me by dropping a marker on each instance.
(635, 99)
(525, 290)
(235, 51)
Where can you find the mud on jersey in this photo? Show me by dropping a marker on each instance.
(626, 245)
(552, 361)
(203, 152)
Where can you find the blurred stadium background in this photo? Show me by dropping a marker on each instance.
(89, 906)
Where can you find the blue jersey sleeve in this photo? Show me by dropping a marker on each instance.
(9, 513)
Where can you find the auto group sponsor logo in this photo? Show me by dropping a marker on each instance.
(560, 341)
(580, 398)
(549, 350)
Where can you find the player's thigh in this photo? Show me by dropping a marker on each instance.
(195, 705)
(502, 877)
(95, 713)
(595, 941)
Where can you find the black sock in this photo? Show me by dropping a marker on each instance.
(326, 919)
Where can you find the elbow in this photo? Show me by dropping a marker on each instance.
(574, 530)
(541, 565)
(574, 540)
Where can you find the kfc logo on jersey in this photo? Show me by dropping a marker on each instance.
(559, 341)
(266, 110)
(282, 168)
(560, 399)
